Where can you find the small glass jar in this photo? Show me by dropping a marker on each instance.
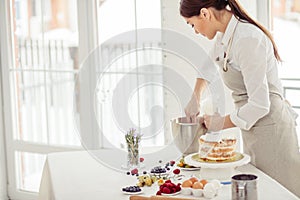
(133, 156)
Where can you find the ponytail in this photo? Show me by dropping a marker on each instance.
(240, 13)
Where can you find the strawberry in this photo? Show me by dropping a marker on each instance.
(142, 159)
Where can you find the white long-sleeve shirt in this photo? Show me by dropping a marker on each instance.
(252, 54)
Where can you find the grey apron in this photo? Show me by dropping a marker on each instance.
(272, 141)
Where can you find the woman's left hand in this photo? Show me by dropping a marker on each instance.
(214, 122)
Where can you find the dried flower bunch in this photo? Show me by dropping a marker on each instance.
(133, 139)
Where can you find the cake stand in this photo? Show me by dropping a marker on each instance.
(222, 170)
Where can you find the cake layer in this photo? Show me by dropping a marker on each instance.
(222, 150)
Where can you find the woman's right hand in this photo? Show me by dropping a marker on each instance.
(192, 110)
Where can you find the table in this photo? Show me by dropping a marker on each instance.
(79, 176)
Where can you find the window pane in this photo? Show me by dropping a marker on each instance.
(29, 92)
(29, 170)
(286, 30)
(138, 87)
(46, 55)
(45, 107)
(148, 14)
(115, 17)
(133, 73)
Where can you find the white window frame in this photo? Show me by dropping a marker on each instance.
(87, 28)
(3, 169)
(263, 12)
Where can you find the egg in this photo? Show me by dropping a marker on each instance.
(209, 190)
(208, 194)
(204, 182)
(193, 179)
(197, 185)
(216, 183)
(187, 183)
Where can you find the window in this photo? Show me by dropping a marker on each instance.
(41, 56)
(285, 21)
(40, 72)
(116, 18)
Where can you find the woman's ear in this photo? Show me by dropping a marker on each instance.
(204, 13)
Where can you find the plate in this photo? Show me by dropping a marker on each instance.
(159, 174)
(239, 160)
(189, 168)
(237, 157)
(172, 194)
(131, 193)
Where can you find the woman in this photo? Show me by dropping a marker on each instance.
(248, 60)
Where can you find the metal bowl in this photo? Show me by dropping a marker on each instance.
(186, 135)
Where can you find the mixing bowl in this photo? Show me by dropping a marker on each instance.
(186, 135)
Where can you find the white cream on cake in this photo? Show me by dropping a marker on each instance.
(216, 149)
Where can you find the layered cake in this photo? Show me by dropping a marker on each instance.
(220, 150)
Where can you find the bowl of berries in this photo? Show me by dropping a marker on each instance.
(169, 188)
(132, 190)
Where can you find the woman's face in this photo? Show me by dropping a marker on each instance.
(203, 24)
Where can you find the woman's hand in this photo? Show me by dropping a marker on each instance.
(192, 110)
(214, 122)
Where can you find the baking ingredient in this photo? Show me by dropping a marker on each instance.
(187, 183)
(197, 185)
(209, 190)
(168, 188)
(193, 179)
(204, 182)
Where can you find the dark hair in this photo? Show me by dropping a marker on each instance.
(190, 8)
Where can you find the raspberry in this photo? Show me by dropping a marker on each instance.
(166, 190)
(168, 185)
(172, 162)
(134, 171)
(174, 190)
(168, 181)
(176, 171)
(158, 193)
(142, 159)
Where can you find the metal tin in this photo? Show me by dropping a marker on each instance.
(244, 187)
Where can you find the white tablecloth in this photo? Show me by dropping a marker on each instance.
(78, 176)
